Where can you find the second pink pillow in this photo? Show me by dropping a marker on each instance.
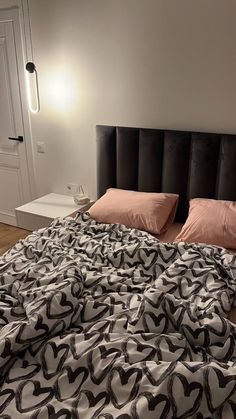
(210, 221)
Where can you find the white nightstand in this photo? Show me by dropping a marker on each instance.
(42, 211)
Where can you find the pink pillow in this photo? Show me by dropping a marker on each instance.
(152, 212)
(210, 221)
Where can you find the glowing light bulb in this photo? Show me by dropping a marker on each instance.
(32, 87)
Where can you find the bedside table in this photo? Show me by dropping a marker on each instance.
(42, 211)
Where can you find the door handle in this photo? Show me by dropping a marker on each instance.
(19, 138)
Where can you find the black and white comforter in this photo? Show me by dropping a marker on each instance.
(100, 321)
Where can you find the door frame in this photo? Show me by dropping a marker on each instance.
(14, 14)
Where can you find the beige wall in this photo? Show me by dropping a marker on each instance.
(150, 63)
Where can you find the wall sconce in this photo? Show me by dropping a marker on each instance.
(32, 86)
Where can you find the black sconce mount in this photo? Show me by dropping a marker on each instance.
(30, 67)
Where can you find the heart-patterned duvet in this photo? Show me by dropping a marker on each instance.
(102, 321)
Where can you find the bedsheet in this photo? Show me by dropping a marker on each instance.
(102, 321)
(173, 231)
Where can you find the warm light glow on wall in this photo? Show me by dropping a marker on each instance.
(60, 90)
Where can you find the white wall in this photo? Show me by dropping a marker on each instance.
(149, 63)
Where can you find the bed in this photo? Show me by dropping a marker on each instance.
(100, 320)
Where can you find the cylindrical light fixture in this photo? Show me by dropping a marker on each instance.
(32, 87)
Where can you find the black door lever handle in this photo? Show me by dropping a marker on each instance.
(19, 138)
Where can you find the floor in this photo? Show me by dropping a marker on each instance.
(9, 235)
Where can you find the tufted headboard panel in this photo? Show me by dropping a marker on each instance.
(191, 164)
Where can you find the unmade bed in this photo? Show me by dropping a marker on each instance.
(100, 320)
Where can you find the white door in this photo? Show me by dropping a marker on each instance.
(14, 173)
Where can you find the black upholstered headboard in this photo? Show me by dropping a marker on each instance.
(191, 164)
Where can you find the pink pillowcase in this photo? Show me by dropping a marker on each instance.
(210, 221)
(152, 212)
